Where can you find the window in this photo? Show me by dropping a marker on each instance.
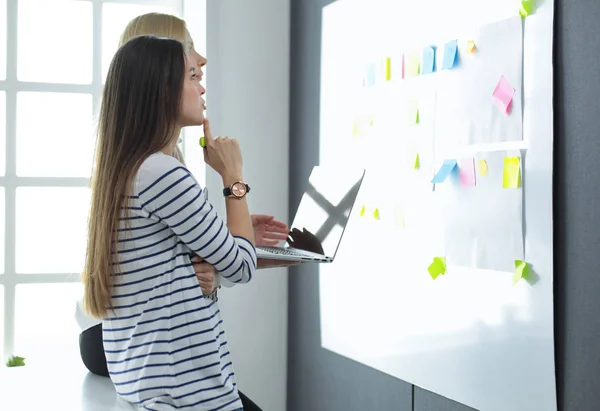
(54, 56)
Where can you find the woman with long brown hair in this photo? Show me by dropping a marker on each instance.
(165, 344)
(267, 230)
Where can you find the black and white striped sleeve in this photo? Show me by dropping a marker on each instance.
(167, 190)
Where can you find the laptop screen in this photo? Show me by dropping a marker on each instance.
(325, 209)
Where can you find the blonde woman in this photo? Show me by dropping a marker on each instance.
(267, 230)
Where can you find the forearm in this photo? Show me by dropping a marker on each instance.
(238, 215)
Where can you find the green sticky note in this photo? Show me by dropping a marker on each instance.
(362, 211)
(511, 177)
(376, 214)
(437, 267)
(202, 142)
(413, 64)
(527, 7)
(412, 114)
(521, 271)
(416, 162)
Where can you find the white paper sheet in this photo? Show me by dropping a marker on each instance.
(483, 224)
(466, 112)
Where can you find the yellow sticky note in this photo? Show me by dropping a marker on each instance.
(414, 64)
(512, 172)
(416, 167)
(376, 214)
(437, 267)
(412, 113)
(521, 271)
(202, 142)
(371, 120)
(470, 46)
(356, 127)
(399, 220)
(388, 69)
(363, 210)
(482, 167)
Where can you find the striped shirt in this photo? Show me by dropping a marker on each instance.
(165, 344)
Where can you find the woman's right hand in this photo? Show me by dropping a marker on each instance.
(222, 154)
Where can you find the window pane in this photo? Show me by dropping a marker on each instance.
(2, 133)
(45, 326)
(2, 41)
(55, 41)
(114, 20)
(51, 227)
(2, 234)
(55, 134)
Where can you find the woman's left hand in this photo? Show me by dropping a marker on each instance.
(205, 273)
(267, 230)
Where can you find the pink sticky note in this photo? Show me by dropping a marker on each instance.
(503, 95)
(467, 172)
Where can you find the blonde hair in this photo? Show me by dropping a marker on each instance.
(160, 25)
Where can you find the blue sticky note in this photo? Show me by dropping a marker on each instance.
(444, 171)
(450, 55)
(370, 75)
(428, 60)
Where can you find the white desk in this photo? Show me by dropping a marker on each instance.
(69, 387)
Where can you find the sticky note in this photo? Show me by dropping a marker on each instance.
(412, 114)
(416, 166)
(444, 171)
(399, 220)
(388, 69)
(413, 64)
(362, 211)
(511, 177)
(467, 172)
(470, 46)
(428, 65)
(376, 214)
(371, 74)
(356, 127)
(482, 167)
(450, 55)
(437, 267)
(202, 142)
(526, 8)
(402, 67)
(521, 271)
(503, 95)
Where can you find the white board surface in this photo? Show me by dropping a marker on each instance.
(469, 335)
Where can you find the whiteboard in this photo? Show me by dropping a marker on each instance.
(470, 334)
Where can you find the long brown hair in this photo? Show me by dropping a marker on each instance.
(140, 109)
(160, 25)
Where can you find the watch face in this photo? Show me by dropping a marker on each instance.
(238, 189)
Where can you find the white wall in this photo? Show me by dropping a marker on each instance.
(248, 47)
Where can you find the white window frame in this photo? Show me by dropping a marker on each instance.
(195, 9)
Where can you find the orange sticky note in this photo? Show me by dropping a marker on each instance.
(470, 46)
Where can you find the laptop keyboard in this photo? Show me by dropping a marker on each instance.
(281, 251)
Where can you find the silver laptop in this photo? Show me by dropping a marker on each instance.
(321, 218)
